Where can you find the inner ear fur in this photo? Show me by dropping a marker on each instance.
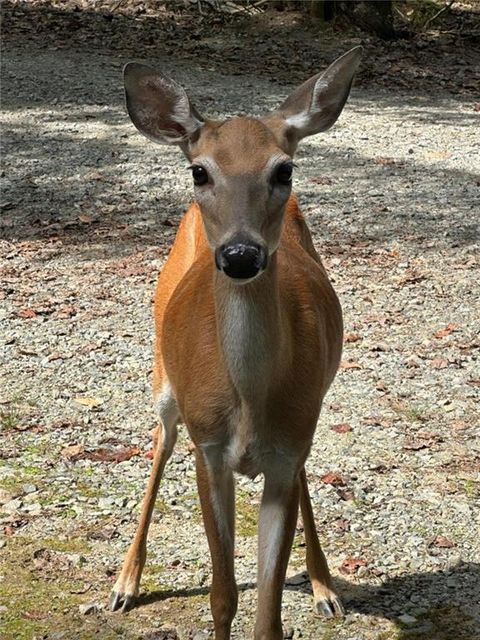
(158, 106)
(316, 104)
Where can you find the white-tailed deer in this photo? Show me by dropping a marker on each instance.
(248, 332)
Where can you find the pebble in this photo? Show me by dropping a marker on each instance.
(407, 619)
(88, 609)
(12, 505)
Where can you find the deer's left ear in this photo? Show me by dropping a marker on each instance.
(318, 102)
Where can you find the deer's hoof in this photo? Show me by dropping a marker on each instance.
(122, 601)
(329, 607)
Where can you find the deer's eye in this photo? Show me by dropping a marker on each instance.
(283, 174)
(200, 175)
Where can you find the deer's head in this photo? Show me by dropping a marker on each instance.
(241, 167)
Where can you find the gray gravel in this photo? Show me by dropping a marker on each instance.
(89, 211)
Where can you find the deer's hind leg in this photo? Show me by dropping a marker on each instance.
(126, 587)
(326, 601)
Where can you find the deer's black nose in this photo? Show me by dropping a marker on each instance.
(241, 260)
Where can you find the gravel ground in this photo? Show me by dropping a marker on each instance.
(89, 211)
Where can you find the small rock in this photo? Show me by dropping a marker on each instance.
(201, 635)
(34, 509)
(106, 503)
(29, 488)
(407, 619)
(6, 496)
(3, 609)
(77, 559)
(12, 505)
(362, 571)
(88, 609)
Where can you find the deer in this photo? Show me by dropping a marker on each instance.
(248, 333)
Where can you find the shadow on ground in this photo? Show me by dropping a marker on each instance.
(446, 599)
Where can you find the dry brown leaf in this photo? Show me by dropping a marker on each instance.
(450, 328)
(26, 313)
(439, 363)
(343, 427)
(107, 454)
(384, 162)
(85, 219)
(352, 337)
(101, 454)
(73, 451)
(442, 542)
(352, 565)
(334, 479)
(416, 445)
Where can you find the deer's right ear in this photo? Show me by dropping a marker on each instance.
(158, 106)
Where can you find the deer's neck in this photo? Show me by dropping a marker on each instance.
(251, 330)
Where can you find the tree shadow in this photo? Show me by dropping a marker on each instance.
(445, 603)
(288, 45)
(76, 171)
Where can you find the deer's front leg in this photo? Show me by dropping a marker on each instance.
(278, 517)
(126, 587)
(217, 497)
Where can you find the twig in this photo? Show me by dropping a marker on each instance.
(439, 13)
(402, 15)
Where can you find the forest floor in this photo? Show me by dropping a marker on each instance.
(89, 210)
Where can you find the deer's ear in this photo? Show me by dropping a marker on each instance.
(318, 102)
(158, 106)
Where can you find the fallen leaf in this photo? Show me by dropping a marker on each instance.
(352, 565)
(450, 328)
(352, 337)
(26, 313)
(384, 162)
(101, 454)
(350, 364)
(66, 311)
(442, 542)
(416, 445)
(88, 401)
(73, 451)
(334, 479)
(343, 427)
(439, 363)
(85, 219)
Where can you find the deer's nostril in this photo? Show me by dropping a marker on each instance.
(240, 260)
